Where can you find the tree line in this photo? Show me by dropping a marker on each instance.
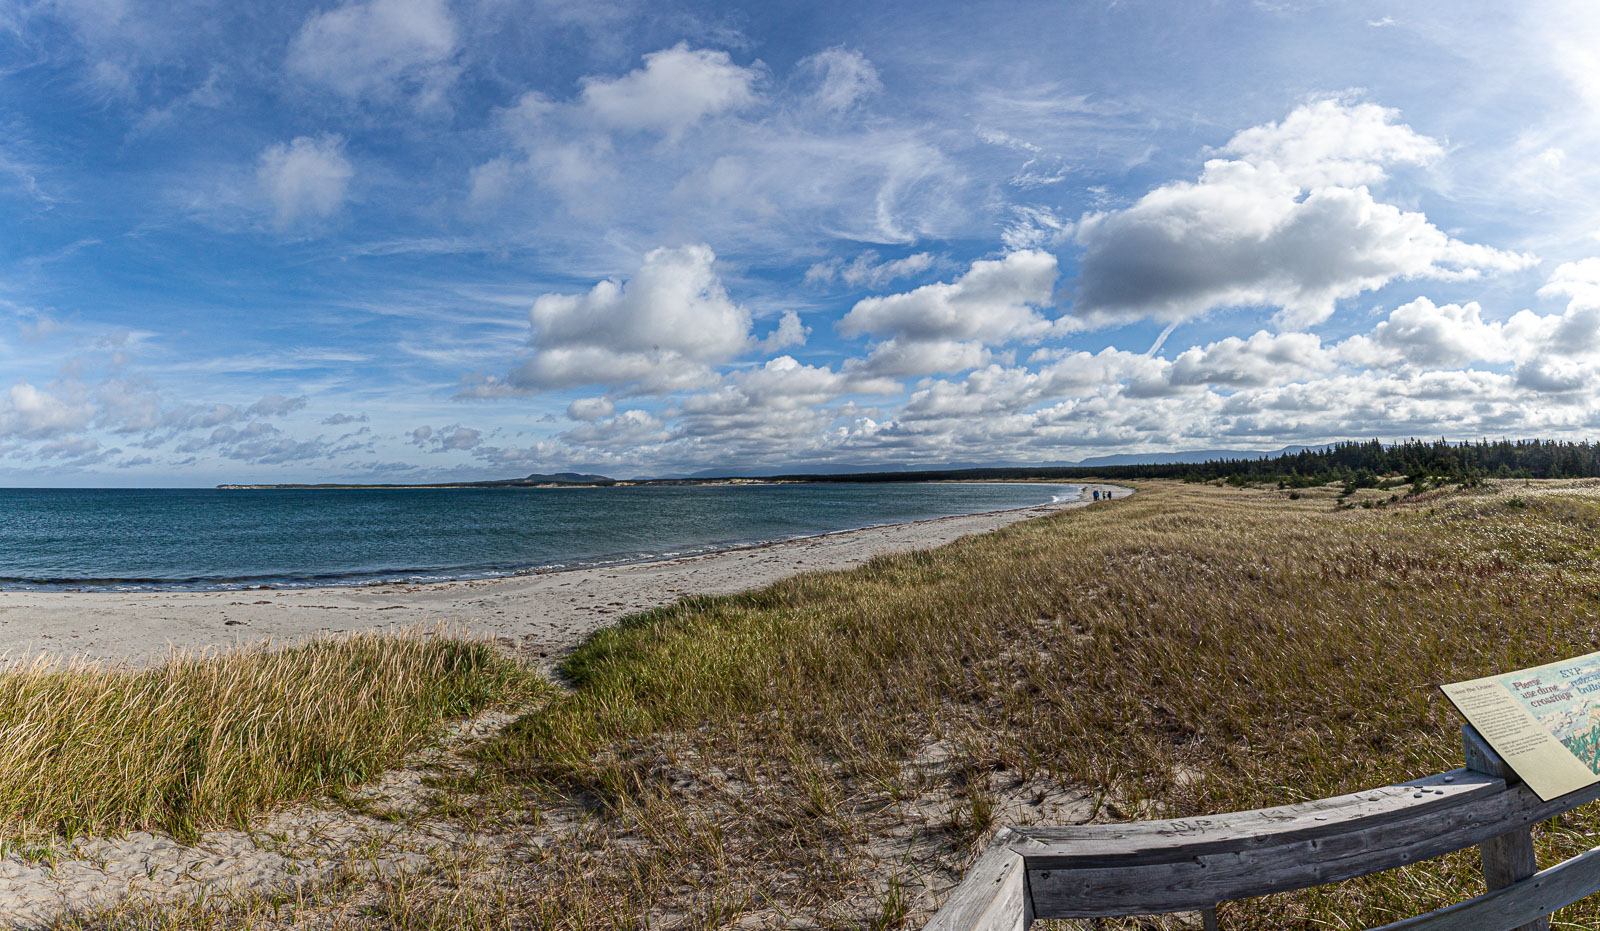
(1357, 464)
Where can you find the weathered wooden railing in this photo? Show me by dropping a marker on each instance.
(1191, 864)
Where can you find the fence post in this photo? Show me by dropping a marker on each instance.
(994, 894)
(1508, 858)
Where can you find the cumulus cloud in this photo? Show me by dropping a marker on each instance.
(1332, 143)
(677, 88)
(628, 430)
(1422, 334)
(304, 179)
(591, 409)
(661, 331)
(31, 413)
(378, 47)
(1262, 359)
(900, 358)
(1550, 353)
(993, 302)
(1287, 223)
(1580, 279)
(789, 332)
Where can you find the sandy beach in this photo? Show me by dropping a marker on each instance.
(541, 616)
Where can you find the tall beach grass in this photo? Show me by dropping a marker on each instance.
(213, 738)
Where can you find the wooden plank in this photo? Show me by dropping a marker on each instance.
(1143, 842)
(1517, 904)
(1188, 864)
(993, 896)
(1508, 858)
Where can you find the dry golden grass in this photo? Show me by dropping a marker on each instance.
(207, 739)
(827, 752)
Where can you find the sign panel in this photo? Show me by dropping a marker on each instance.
(1544, 722)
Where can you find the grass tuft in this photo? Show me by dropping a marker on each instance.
(208, 739)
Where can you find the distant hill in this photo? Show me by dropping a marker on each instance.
(564, 478)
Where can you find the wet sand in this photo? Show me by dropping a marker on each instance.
(542, 616)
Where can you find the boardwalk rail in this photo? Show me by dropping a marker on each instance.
(1191, 864)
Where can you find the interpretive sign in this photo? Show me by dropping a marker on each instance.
(1544, 721)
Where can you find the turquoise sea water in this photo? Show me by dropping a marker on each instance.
(203, 538)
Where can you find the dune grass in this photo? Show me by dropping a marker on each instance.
(1187, 650)
(207, 739)
(831, 751)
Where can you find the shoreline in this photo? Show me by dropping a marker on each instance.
(539, 615)
(444, 576)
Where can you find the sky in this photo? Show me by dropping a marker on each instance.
(434, 240)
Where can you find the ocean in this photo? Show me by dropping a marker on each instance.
(143, 539)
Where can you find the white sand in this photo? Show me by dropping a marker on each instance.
(540, 615)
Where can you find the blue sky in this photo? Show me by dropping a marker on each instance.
(424, 240)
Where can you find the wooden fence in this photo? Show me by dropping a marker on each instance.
(1191, 864)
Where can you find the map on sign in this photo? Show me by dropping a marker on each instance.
(1544, 722)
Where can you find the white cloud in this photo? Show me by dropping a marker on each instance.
(789, 332)
(677, 88)
(1036, 228)
(777, 408)
(659, 332)
(591, 409)
(377, 48)
(1262, 359)
(894, 358)
(628, 430)
(840, 78)
(28, 412)
(445, 439)
(1549, 352)
(866, 269)
(1422, 334)
(992, 302)
(1575, 279)
(1329, 142)
(769, 171)
(1251, 233)
(305, 179)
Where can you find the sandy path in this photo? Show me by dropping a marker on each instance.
(543, 615)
